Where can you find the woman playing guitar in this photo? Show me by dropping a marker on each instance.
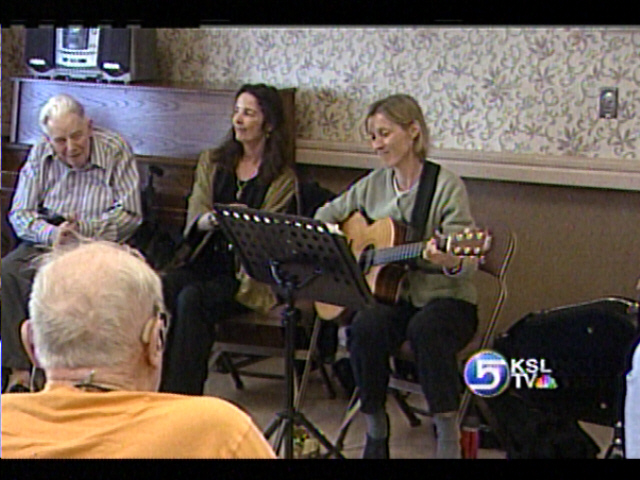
(436, 310)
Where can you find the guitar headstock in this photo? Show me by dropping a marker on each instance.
(468, 243)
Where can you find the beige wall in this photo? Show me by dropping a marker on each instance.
(493, 89)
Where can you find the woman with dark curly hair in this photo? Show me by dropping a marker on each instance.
(251, 167)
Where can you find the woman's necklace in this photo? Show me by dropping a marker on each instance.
(249, 172)
(240, 184)
(396, 187)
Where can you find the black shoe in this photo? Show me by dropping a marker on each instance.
(18, 388)
(376, 448)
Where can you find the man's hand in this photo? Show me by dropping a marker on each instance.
(67, 233)
(207, 221)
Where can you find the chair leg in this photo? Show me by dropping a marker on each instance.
(233, 371)
(352, 409)
(465, 403)
(326, 380)
(312, 354)
(486, 414)
(408, 411)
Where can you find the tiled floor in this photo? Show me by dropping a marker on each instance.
(263, 398)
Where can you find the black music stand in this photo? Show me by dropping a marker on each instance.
(301, 258)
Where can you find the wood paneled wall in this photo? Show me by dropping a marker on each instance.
(573, 244)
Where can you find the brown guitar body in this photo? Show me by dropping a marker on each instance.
(379, 247)
(383, 280)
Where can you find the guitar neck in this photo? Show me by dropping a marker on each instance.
(410, 251)
(399, 253)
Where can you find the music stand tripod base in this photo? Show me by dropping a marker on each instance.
(301, 259)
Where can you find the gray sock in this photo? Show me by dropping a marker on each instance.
(377, 425)
(448, 445)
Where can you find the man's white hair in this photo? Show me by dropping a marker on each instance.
(89, 304)
(58, 106)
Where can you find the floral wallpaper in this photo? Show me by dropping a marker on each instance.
(494, 89)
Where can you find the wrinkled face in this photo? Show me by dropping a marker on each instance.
(248, 119)
(392, 142)
(70, 137)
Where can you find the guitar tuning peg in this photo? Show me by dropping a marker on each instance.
(467, 250)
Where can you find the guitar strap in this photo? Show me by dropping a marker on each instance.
(424, 198)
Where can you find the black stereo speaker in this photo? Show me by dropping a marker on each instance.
(40, 49)
(128, 54)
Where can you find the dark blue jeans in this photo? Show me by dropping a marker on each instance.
(17, 279)
(196, 305)
(437, 332)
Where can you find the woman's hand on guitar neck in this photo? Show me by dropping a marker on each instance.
(436, 256)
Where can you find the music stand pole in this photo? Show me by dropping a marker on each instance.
(291, 416)
(304, 260)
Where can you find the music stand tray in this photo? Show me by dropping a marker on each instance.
(300, 258)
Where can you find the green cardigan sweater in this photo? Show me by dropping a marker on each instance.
(450, 212)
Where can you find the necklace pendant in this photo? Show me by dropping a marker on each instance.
(240, 184)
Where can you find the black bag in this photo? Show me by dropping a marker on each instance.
(586, 347)
(528, 432)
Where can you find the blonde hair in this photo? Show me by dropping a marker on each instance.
(403, 110)
(89, 303)
(58, 106)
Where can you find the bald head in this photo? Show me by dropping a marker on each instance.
(89, 304)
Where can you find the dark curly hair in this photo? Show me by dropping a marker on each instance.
(276, 154)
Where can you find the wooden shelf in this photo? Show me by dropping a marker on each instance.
(162, 120)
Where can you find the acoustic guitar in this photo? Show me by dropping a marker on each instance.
(379, 249)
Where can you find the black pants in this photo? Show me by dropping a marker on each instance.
(17, 279)
(437, 332)
(196, 305)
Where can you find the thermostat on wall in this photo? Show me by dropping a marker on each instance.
(609, 102)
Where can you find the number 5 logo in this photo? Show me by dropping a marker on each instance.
(487, 373)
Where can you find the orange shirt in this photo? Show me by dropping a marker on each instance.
(63, 422)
